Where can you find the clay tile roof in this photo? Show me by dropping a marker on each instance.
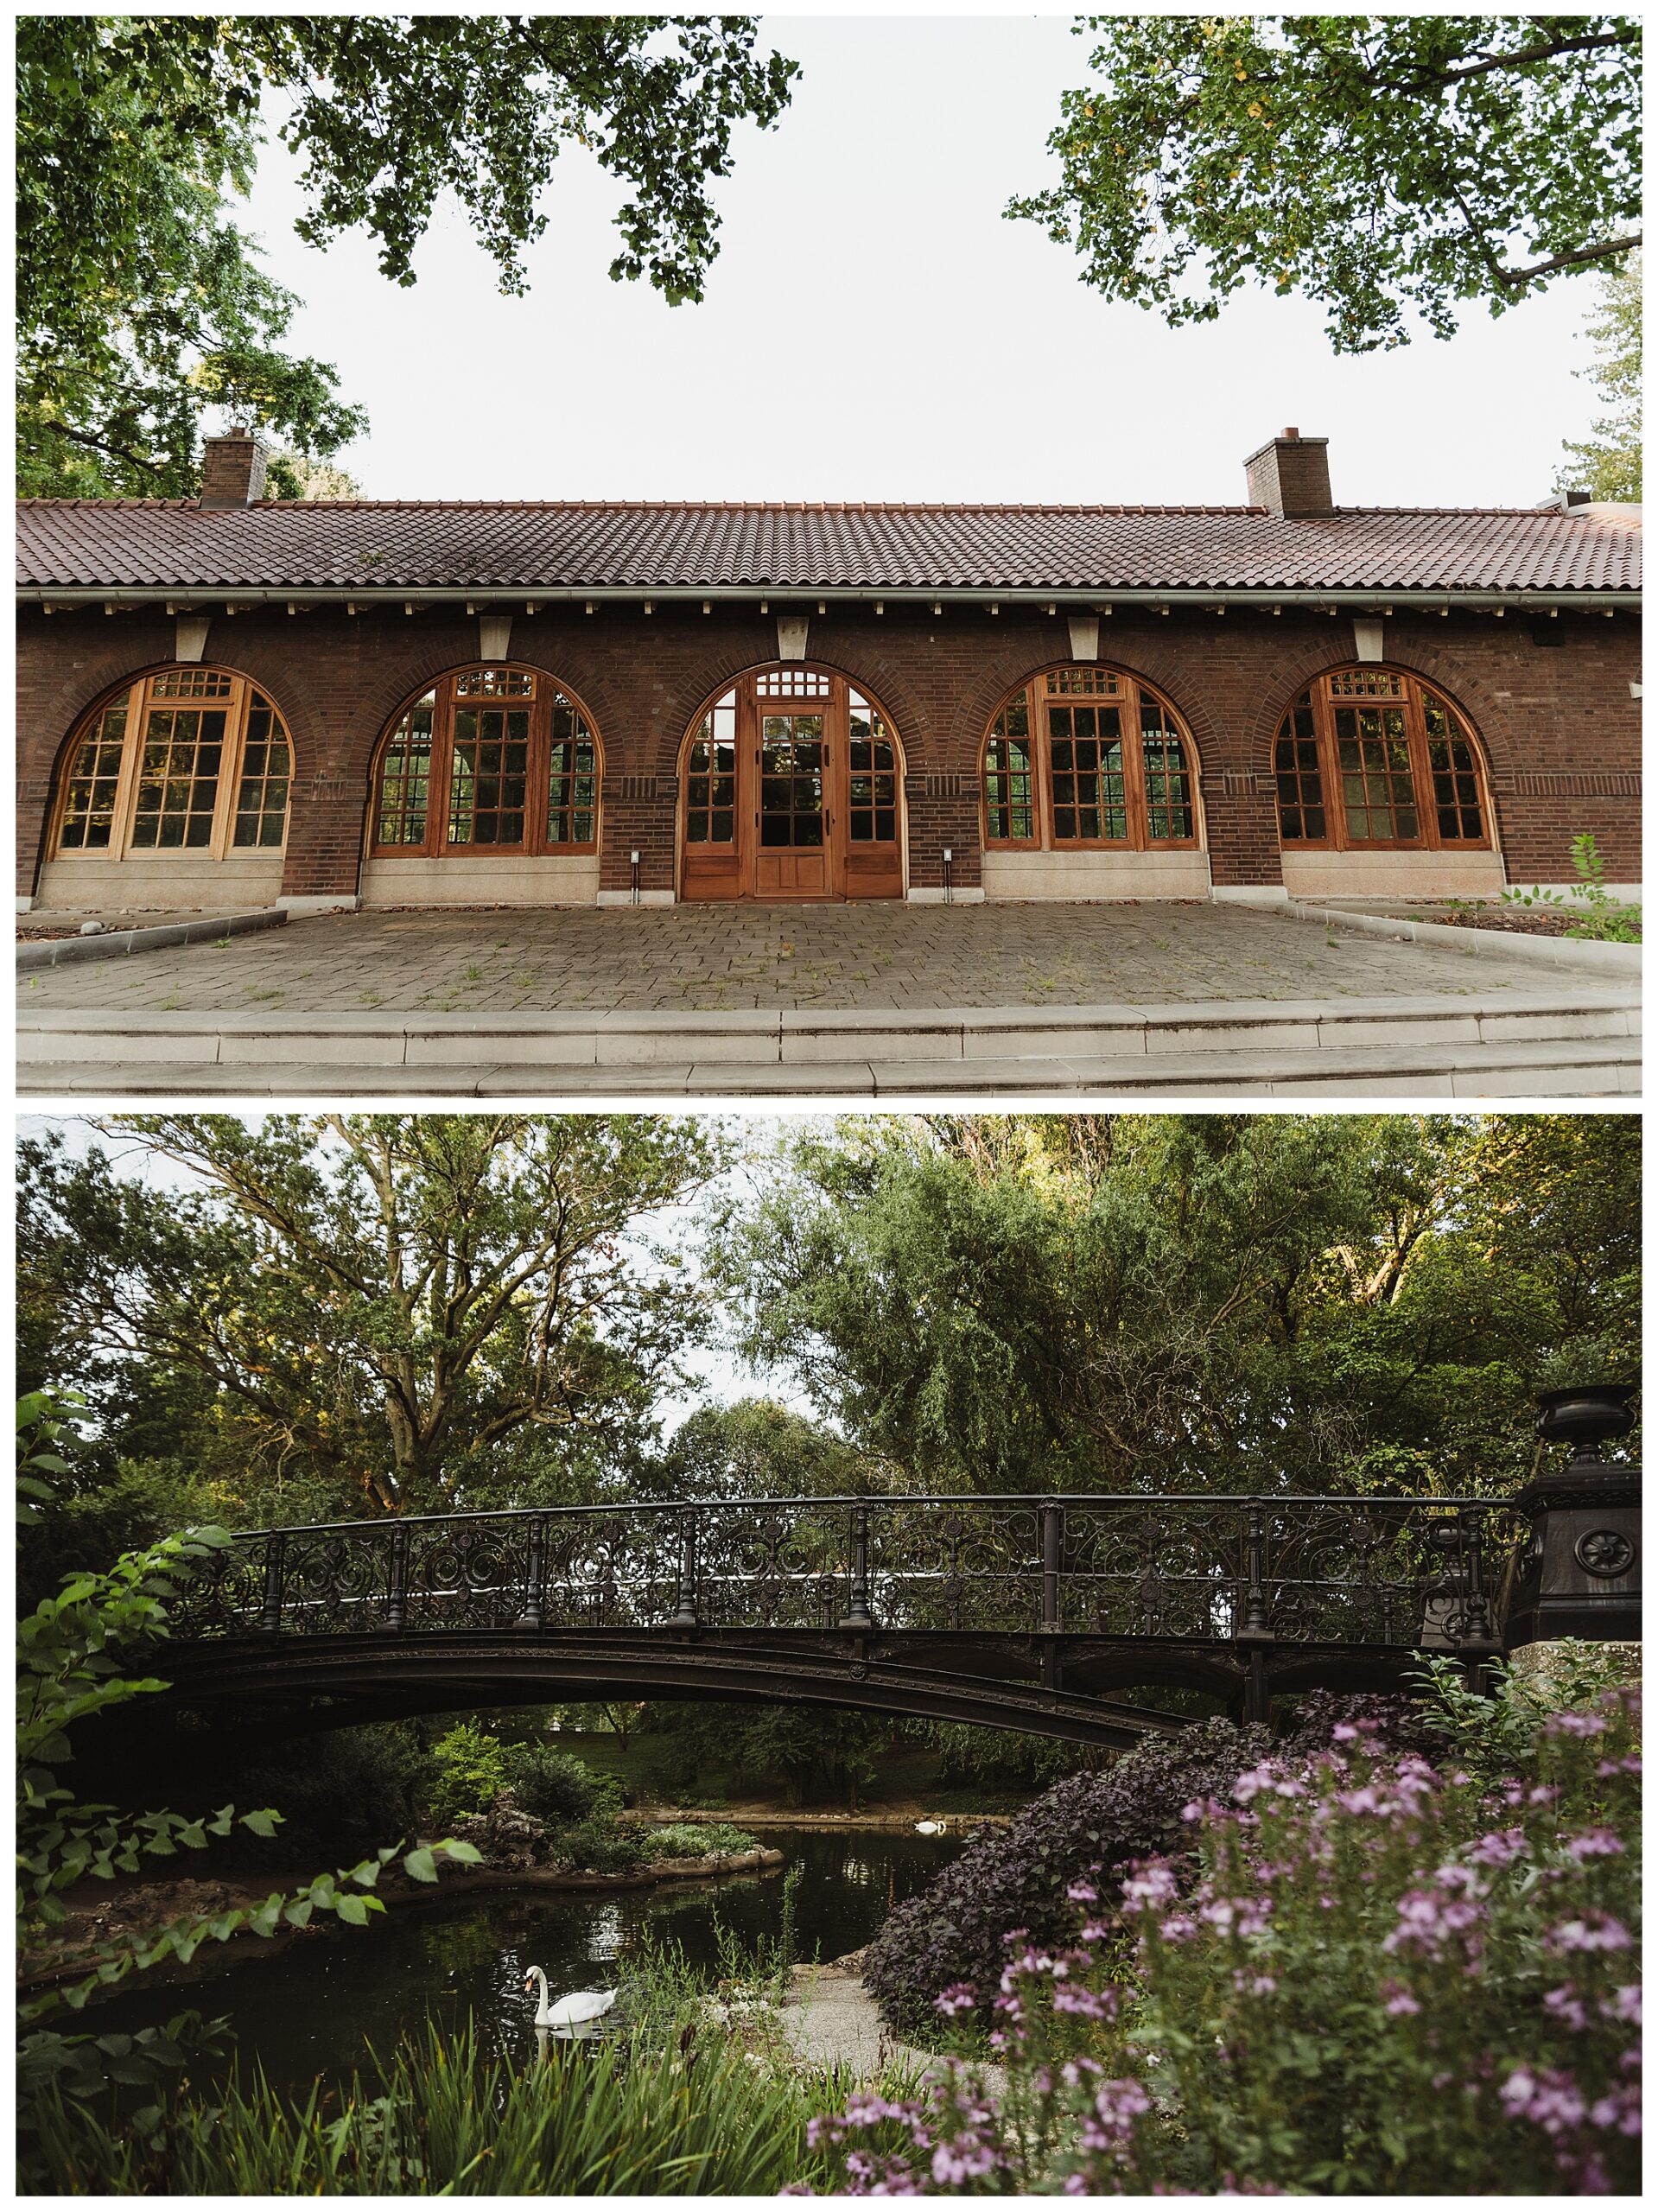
(505, 545)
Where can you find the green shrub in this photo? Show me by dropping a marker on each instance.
(345, 1791)
(555, 1787)
(691, 1839)
(471, 1773)
(599, 1845)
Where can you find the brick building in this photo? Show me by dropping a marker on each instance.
(232, 701)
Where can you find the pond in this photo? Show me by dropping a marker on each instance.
(311, 2008)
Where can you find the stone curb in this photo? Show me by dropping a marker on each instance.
(1592, 958)
(55, 951)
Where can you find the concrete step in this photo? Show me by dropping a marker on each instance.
(1522, 1067)
(798, 1037)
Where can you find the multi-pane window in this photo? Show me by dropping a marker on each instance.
(406, 776)
(1370, 756)
(711, 776)
(792, 683)
(1169, 814)
(1089, 756)
(1009, 778)
(495, 684)
(261, 788)
(791, 779)
(1373, 754)
(494, 758)
(1091, 792)
(1455, 777)
(1300, 785)
(488, 776)
(572, 777)
(88, 823)
(189, 760)
(872, 775)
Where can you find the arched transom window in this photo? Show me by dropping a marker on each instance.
(190, 759)
(1372, 756)
(1088, 757)
(489, 759)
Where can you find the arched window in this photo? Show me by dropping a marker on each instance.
(190, 759)
(1088, 757)
(497, 759)
(1374, 757)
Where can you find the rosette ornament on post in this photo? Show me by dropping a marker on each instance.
(1580, 1573)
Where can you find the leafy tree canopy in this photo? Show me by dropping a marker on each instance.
(1380, 164)
(757, 1448)
(139, 300)
(1232, 1302)
(1607, 465)
(382, 1304)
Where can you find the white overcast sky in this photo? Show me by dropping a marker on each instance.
(875, 330)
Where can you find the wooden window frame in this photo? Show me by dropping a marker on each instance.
(140, 698)
(1413, 692)
(535, 842)
(1105, 686)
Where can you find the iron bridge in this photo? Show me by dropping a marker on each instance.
(1056, 1615)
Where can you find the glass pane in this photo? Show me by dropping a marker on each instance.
(405, 775)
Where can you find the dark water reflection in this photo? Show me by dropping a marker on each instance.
(311, 2009)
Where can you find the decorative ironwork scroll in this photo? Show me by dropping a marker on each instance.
(1397, 1573)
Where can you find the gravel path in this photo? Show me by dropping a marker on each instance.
(832, 2019)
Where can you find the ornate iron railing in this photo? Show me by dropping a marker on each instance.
(1384, 1572)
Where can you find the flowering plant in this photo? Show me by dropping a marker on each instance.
(1380, 1976)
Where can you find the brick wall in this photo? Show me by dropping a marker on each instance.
(1559, 724)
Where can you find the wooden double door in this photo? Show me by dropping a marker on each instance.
(792, 790)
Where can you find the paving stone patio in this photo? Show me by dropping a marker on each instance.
(710, 959)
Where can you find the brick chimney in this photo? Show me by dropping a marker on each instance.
(1290, 475)
(233, 469)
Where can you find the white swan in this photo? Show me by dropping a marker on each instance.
(574, 2016)
(930, 1828)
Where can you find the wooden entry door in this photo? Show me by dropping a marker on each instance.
(794, 823)
(792, 790)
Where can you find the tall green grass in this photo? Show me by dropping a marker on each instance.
(698, 2115)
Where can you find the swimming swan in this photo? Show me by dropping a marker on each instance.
(576, 2015)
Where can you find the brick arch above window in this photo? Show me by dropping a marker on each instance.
(1372, 756)
(880, 682)
(1086, 756)
(1451, 674)
(487, 757)
(188, 758)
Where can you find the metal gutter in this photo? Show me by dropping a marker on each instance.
(200, 598)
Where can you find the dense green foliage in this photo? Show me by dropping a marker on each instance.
(471, 1772)
(1366, 1975)
(1383, 165)
(1607, 464)
(756, 1448)
(1220, 1302)
(140, 301)
(344, 1313)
